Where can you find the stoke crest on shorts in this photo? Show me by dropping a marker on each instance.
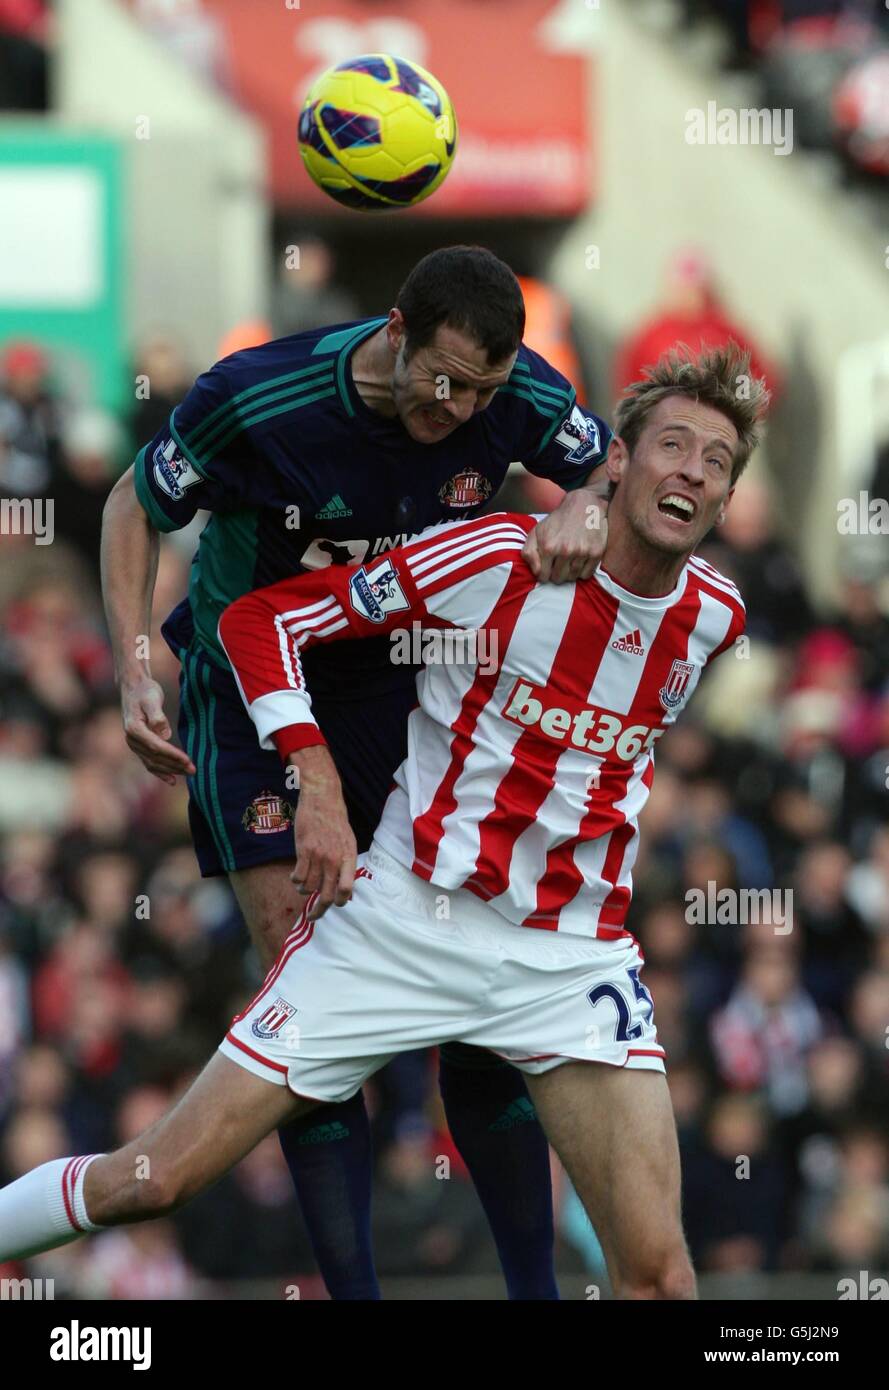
(272, 1021)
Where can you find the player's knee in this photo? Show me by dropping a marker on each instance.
(115, 1191)
(157, 1190)
(677, 1280)
(671, 1278)
(164, 1191)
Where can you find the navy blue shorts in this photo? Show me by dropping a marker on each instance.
(240, 808)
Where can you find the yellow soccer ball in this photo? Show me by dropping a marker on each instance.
(377, 132)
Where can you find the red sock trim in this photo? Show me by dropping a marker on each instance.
(69, 1182)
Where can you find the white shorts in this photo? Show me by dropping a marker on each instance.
(407, 965)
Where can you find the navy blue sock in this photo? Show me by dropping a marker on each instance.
(328, 1153)
(500, 1139)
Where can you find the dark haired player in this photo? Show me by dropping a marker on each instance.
(329, 448)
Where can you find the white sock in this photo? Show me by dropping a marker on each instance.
(45, 1208)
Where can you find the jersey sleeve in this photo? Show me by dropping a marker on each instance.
(189, 464)
(735, 629)
(451, 576)
(563, 441)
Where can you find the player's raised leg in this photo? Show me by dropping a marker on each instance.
(329, 1152)
(614, 1131)
(223, 1115)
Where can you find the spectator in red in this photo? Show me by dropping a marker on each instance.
(24, 32)
(25, 17)
(762, 1037)
(30, 418)
(691, 313)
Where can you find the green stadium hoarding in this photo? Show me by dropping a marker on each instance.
(61, 255)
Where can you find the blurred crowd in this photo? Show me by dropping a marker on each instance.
(120, 968)
(828, 60)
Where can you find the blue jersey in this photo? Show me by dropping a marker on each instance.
(298, 473)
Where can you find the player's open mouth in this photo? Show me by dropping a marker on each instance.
(434, 422)
(677, 508)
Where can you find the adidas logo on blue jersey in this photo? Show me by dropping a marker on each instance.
(334, 508)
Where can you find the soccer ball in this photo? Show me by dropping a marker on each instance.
(377, 132)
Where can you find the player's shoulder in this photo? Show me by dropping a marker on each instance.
(499, 525)
(464, 565)
(483, 540)
(532, 364)
(253, 388)
(316, 350)
(546, 393)
(706, 578)
(539, 406)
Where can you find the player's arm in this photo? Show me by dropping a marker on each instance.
(450, 576)
(160, 492)
(130, 549)
(263, 634)
(326, 852)
(569, 543)
(565, 444)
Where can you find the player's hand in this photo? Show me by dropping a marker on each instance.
(147, 731)
(569, 543)
(326, 852)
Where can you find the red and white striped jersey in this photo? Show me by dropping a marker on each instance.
(526, 770)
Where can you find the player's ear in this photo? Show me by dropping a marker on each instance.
(616, 459)
(395, 331)
(722, 510)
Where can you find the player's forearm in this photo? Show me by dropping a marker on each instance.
(316, 774)
(130, 549)
(592, 499)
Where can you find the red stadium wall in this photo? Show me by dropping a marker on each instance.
(524, 145)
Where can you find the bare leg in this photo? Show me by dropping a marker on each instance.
(269, 903)
(332, 1180)
(223, 1115)
(614, 1131)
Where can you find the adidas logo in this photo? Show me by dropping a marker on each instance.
(332, 509)
(631, 643)
(518, 1112)
(324, 1134)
